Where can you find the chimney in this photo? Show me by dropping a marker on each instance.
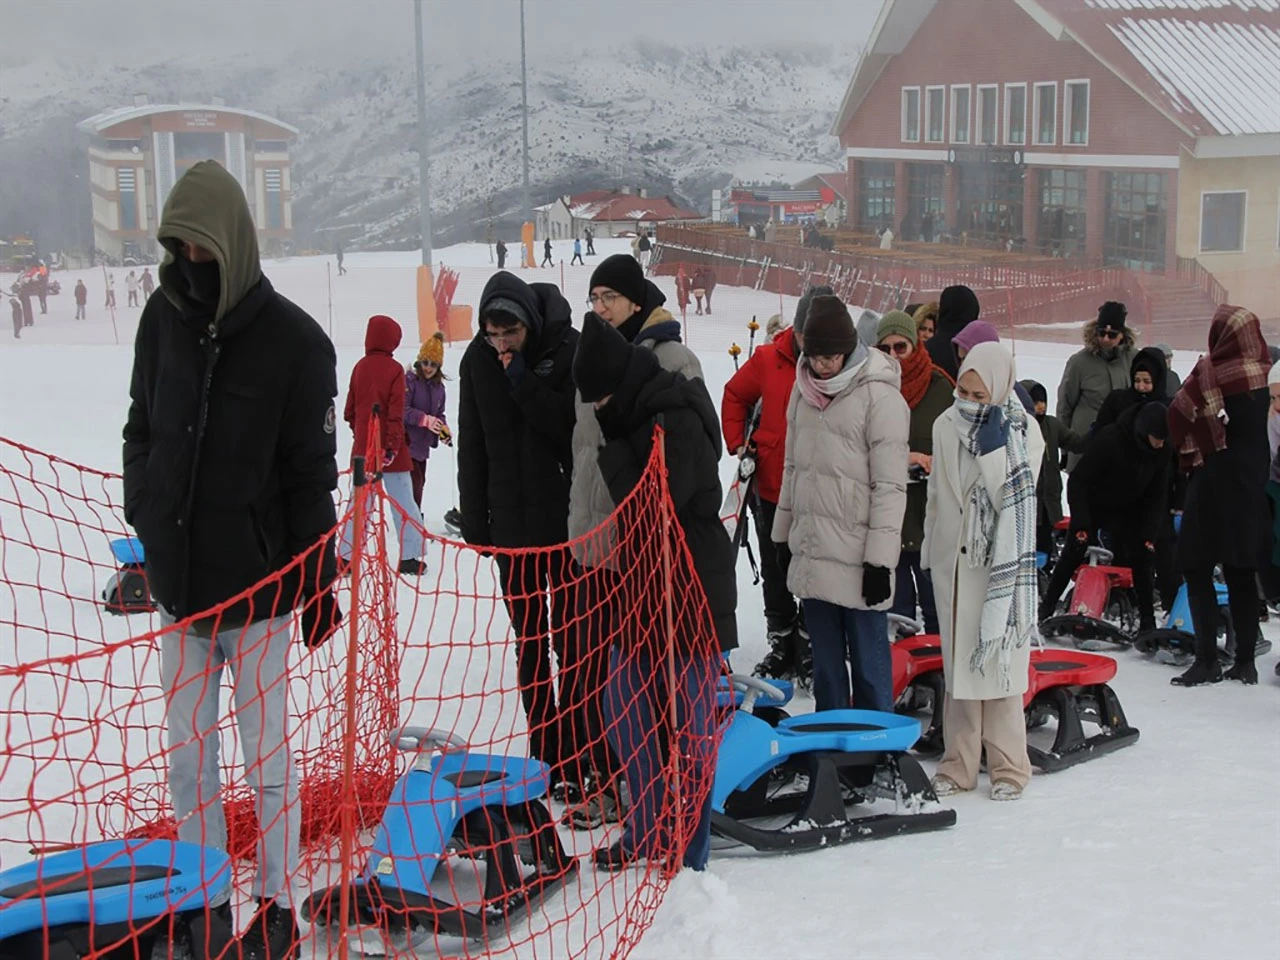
(626, 191)
(141, 99)
(644, 194)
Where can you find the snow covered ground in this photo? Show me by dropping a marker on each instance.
(1166, 849)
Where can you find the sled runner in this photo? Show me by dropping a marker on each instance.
(127, 590)
(454, 804)
(803, 772)
(117, 898)
(1101, 608)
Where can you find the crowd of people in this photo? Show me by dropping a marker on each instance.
(902, 466)
(38, 285)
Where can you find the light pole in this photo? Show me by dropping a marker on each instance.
(424, 189)
(527, 209)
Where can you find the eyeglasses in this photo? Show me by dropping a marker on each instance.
(502, 337)
(606, 298)
(900, 348)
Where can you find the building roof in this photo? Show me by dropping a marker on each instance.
(603, 206)
(109, 118)
(1211, 66)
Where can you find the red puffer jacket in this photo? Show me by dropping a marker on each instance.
(379, 379)
(769, 377)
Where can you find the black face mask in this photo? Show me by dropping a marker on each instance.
(204, 281)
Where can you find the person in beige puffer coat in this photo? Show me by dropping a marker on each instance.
(844, 493)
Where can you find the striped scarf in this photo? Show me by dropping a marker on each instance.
(1001, 537)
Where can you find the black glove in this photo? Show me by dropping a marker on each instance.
(611, 422)
(321, 618)
(875, 584)
(516, 369)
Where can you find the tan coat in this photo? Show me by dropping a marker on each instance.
(958, 589)
(844, 485)
(590, 504)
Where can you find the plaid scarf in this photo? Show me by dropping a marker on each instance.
(1001, 537)
(1238, 362)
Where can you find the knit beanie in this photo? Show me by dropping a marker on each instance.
(802, 308)
(957, 307)
(1111, 316)
(896, 322)
(600, 362)
(1035, 390)
(432, 349)
(979, 331)
(828, 328)
(621, 272)
(1152, 421)
(505, 312)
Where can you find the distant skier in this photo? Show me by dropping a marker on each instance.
(82, 298)
(577, 253)
(591, 242)
(42, 286)
(547, 259)
(28, 316)
(338, 252)
(131, 288)
(501, 249)
(646, 248)
(111, 291)
(17, 317)
(148, 283)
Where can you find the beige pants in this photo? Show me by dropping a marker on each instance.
(998, 725)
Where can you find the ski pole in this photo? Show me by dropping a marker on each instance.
(751, 343)
(735, 351)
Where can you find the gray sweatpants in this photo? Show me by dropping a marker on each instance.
(191, 673)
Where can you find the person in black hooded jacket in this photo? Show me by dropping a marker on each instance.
(632, 393)
(1148, 376)
(1120, 485)
(957, 308)
(515, 425)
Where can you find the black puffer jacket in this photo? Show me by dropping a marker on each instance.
(1121, 484)
(515, 457)
(229, 449)
(1148, 359)
(693, 454)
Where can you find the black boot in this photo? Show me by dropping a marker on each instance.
(1201, 672)
(272, 934)
(1246, 671)
(780, 662)
(804, 657)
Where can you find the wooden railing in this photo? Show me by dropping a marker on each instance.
(1193, 271)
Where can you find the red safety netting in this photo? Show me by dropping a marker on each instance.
(596, 657)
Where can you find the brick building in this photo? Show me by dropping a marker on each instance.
(1136, 133)
(609, 213)
(137, 153)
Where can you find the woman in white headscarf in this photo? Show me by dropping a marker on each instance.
(979, 543)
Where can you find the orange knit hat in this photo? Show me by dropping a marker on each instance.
(432, 349)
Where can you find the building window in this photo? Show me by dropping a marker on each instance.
(959, 114)
(991, 200)
(1222, 217)
(935, 114)
(1075, 126)
(124, 146)
(1137, 221)
(1046, 110)
(127, 184)
(876, 187)
(271, 146)
(988, 114)
(1063, 206)
(911, 114)
(273, 182)
(926, 217)
(1015, 113)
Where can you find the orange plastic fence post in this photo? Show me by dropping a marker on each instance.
(668, 603)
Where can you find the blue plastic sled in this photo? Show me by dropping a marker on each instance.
(452, 802)
(113, 895)
(838, 756)
(127, 591)
(1178, 634)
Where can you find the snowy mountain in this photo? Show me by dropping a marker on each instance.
(675, 120)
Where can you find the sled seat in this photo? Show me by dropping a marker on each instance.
(112, 882)
(850, 731)
(1066, 668)
(128, 552)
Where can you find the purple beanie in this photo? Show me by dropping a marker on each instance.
(979, 331)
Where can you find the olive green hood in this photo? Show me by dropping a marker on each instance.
(207, 207)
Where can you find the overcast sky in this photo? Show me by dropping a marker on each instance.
(152, 30)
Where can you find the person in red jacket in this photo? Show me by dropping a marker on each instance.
(377, 381)
(767, 379)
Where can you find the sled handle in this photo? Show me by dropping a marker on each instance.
(1099, 556)
(753, 688)
(410, 738)
(898, 620)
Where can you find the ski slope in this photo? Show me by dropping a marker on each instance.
(1168, 849)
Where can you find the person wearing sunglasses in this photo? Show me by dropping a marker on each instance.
(928, 392)
(1095, 371)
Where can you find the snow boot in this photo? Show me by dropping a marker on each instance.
(804, 655)
(413, 568)
(453, 520)
(780, 662)
(272, 934)
(1199, 674)
(605, 803)
(1246, 671)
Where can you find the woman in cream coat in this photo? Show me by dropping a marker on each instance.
(980, 546)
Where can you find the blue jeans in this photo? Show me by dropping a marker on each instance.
(915, 584)
(637, 704)
(861, 636)
(399, 487)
